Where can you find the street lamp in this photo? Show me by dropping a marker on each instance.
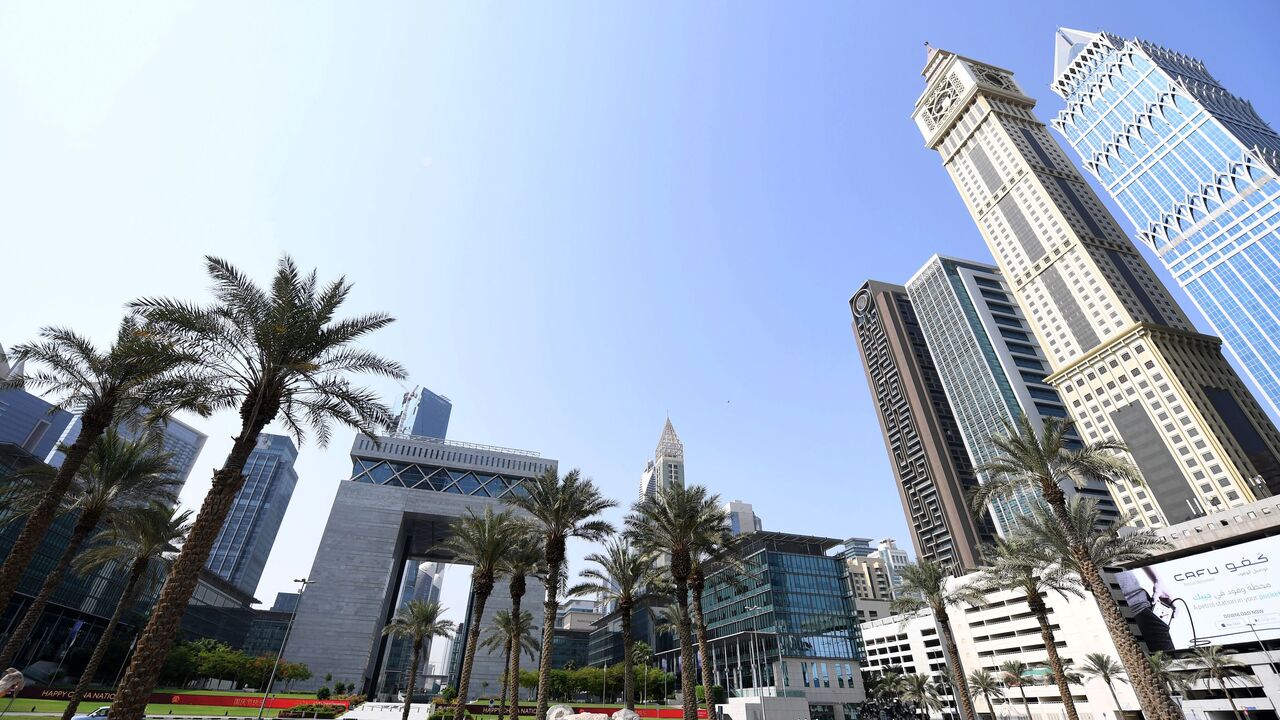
(302, 588)
(755, 629)
(1265, 652)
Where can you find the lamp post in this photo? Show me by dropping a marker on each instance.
(755, 628)
(1270, 663)
(302, 588)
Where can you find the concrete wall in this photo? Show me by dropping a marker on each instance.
(355, 573)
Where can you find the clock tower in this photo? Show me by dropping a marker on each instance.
(1127, 361)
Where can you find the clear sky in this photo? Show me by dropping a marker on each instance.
(585, 215)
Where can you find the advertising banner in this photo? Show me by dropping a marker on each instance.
(1221, 596)
(241, 700)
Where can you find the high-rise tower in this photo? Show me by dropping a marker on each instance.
(930, 463)
(1197, 172)
(1126, 360)
(991, 367)
(667, 466)
(424, 414)
(244, 543)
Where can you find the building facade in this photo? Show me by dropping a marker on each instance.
(1197, 172)
(423, 414)
(785, 626)
(667, 466)
(894, 558)
(403, 494)
(930, 463)
(742, 517)
(242, 547)
(991, 367)
(27, 420)
(1124, 357)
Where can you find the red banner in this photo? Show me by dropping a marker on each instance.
(529, 710)
(107, 696)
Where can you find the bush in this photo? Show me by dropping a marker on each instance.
(448, 694)
(323, 693)
(316, 710)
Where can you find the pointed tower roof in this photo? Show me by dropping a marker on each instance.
(1067, 44)
(669, 444)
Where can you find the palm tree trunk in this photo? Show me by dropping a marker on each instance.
(136, 574)
(1115, 699)
(554, 556)
(689, 696)
(413, 679)
(157, 637)
(990, 708)
(506, 679)
(1026, 706)
(92, 426)
(84, 525)
(628, 664)
(704, 648)
(1036, 604)
(1155, 700)
(1234, 710)
(514, 649)
(954, 666)
(481, 597)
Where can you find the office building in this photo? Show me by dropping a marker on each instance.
(782, 632)
(218, 610)
(1195, 170)
(423, 414)
(285, 602)
(395, 510)
(266, 633)
(867, 579)
(242, 547)
(1126, 361)
(570, 648)
(742, 517)
(667, 466)
(27, 420)
(894, 558)
(179, 439)
(930, 463)
(991, 367)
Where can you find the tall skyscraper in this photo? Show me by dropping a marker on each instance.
(742, 517)
(895, 558)
(991, 367)
(1126, 360)
(27, 420)
(424, 414)
(667, 466)
(1195, 170)
(243, 545)
(930, 463)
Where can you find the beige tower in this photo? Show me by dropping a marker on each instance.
(1128, 363)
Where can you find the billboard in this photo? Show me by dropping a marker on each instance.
(1212, 598)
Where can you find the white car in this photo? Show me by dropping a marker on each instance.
(99, 714)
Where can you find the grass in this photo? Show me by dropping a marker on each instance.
(23, 705)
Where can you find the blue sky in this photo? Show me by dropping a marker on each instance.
(584, 215)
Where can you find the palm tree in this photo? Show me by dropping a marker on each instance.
(562, 508)
(505, 632)
(1105, 668)
(1013, 674)
(418, 622)
(1220, 666)
(1021, 564)
(716, 545)
(1167, 669)
(926, 585)
(920, 690)
(521, 562)
(144, 539)
(482, 541)
(137, 375)
(981, 681)
(671, 522)
(1046, 462)
(277, 352)
(625, 576)
(116, 474)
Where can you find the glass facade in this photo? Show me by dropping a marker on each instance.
(244, 543)
(1195, 170)
(789, 602)
(991, 366)
(428, 476)
(31, 423)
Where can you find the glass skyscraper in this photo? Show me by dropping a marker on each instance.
(243, 545)
(1195, 170)
(991, 367)
(424, 414)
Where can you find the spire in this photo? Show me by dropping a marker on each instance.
(669, 444)
(1067, 44)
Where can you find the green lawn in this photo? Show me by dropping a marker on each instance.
(24, 705)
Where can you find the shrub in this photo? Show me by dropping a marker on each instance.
(448, 694)
(323, 693)
(316, 710)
